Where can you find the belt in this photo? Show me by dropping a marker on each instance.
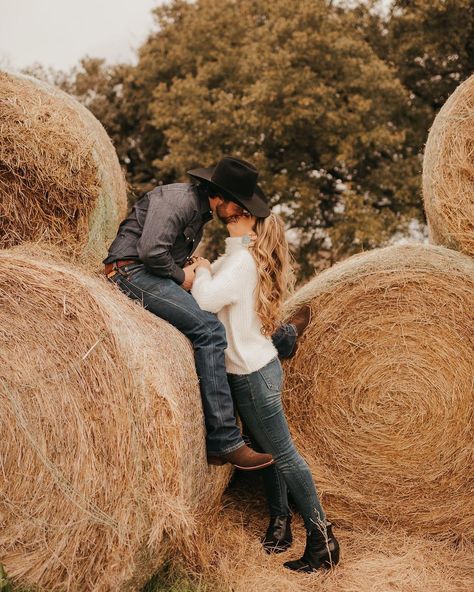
(113, 268)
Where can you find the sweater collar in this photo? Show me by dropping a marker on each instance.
(233, 244)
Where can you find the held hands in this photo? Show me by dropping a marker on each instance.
(188, 276)
(202, 262)
(190, 271)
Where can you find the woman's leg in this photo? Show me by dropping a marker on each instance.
(278, 536)
(276, 491)
(258, 400)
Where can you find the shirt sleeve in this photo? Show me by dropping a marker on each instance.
(165, 220)
(212, 293)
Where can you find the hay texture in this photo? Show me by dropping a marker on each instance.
(379, 396)
(102, 451)
(448, 172)
(381, 560)
(60, 179)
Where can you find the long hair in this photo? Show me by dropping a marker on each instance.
(275, 273)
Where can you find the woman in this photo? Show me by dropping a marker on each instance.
(246, 288)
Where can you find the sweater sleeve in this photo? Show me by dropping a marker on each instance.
(214, 292)
(217, 264)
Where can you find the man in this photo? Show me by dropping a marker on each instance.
(150, 260)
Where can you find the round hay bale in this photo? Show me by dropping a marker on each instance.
(448, 172)
(103, 462)
(380, 393)
(60, 179)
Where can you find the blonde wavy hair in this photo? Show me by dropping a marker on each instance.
(275, 271)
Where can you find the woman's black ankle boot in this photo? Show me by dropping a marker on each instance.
(278, 537)
(322, 550)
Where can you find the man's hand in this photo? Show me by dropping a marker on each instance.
(190, 261)
(189, 272)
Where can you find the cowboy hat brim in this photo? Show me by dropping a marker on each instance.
(255, 204)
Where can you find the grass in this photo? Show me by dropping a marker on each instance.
(5, 586)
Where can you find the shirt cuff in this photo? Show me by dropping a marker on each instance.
(178, 275)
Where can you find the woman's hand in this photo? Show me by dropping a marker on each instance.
(253, 238)
(202, 262)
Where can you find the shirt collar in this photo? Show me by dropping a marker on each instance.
(203, 201)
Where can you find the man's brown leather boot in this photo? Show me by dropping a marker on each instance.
(300, 319)
(244, 458)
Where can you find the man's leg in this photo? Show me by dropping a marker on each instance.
(286, 336)
(166, 299)
(284, 339)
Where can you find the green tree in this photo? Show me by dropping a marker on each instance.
(331, 100)
(430, 44)
(297, 91)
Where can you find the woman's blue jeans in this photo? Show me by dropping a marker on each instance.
(258, 400)
(164, 298)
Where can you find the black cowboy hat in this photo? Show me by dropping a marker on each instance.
(237, 181)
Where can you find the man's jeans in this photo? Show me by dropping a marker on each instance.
(258, 400)
(164, 298)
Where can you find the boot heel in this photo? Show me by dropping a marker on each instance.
(216, 460)
(322, 551)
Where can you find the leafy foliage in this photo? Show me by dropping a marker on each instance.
(332, 102)
(297, 92)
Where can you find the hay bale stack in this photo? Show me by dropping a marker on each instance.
(379, 396)
(448, 172)
(60, 179)
(102, 449)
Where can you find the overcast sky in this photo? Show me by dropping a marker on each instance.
(59, 33)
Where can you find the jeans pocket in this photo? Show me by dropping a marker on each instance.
(272, 375)
(121, 281)
(129, 271)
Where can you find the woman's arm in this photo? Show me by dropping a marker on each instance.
(217, 264)
(214, 292)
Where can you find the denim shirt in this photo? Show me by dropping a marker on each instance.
(163, 229)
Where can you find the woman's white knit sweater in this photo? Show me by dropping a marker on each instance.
(229, 291)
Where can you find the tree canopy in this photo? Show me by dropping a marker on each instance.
(332, 103)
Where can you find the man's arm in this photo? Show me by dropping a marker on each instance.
(166, 218)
